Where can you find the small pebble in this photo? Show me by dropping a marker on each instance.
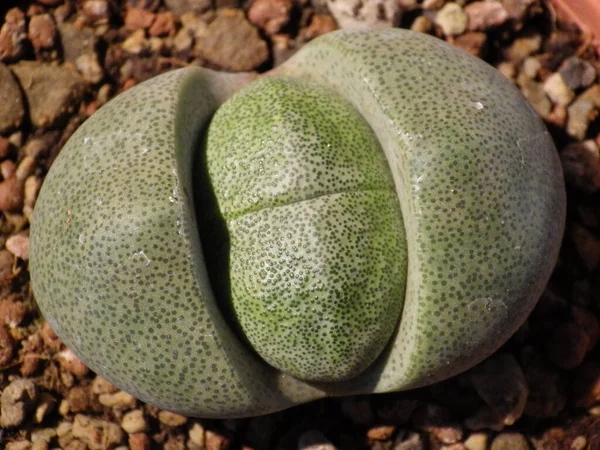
(42, 32)
(196, 437)
(582, 111)
(25, 168)
(319, 24)
(102, 386)
(6, 347)
(473, 42)
(119, 400)
(164, 25)
(138, 18)
(501, 383)
(215, 441)
(485, 14)
(136, 42)
(381, 433)
(139, 441)
(43, 434)
(17, 400)
(98, 11)
(451, 19)
(89, 67)
(477, 441)
(531, 67)
(412, 441)
(18, 245)
(171, 419)
(270, 15)
(557, 90)
(69, 362)
(11, 195)
(134, 422)
(523, 47)
(95, 433)
(587, 244)
(509, 441)
(314, 440)
(7, 168)
(534, 92)
(18, 445)
(421, 24)
(13, 35)
(357, 14)
(45, 406)
(80, 399)
(577, 73)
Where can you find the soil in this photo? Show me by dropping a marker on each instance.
(60, 60)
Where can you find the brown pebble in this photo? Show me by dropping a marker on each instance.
(11, 195)
(214, 441)
(7, 168)
(381, 433)
(319, 24)
(45, 405)
(18, 245)
(139, 441)
(5, 146)
(568, 345)
(12, 311)
(587, 244)
(120, 400)
(581, 165)
(51, 340)
(69, 362)
(163, 25)
(6, 346)
(97, 10)
(509, 441)
(29, 365)
(42, 32)
(80, 399)
(17, 400)
(436, 420)
(232, 43)
(12, 35)
(138, 18)
(485, 14)
(95, 433)
(270, 15)
(473, 42)
(172, 419)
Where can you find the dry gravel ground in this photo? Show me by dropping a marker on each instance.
(61, 59)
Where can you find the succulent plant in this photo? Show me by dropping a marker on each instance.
(379, 213)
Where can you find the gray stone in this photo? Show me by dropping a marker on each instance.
(232, 43)
(577, 73)
(11, 102)
(51, 91)
(76, 42)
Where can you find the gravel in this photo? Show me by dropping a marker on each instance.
(60, 60)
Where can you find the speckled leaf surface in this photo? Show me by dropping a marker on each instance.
(116, 264)
(318, 254)
(480, 187)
